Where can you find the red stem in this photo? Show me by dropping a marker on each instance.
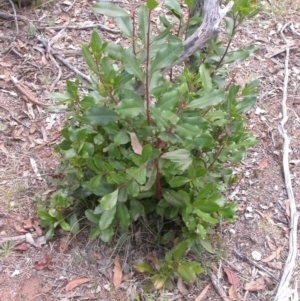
(147, 71)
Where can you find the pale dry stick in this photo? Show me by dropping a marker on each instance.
(18, 239)
(15, 17)
(218, 287)
(114, 31)
(15, 119)
(65, 62)
(284, 291)
(51, 42)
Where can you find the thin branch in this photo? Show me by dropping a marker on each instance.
(284, 292)
(147, 70)
(15, 17)
(114, 31)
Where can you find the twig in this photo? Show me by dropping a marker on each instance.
(18, 239)
(218, 288)
(15, 16)
(245, 258)
(62, 60)
(114, 31)
(284, 292)
(213, 15)
(52, 41)
(26, 94)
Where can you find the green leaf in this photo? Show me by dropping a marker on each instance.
(109, 9)
(100, 116)
(74, 224)
(173, 198)
(177, 155)
(168, 100)
(44, 215)
(107, 218)
(62, 97)
(166, 57)
(205, 78)
(206, 216)
(178, 181)
(143, 23)
(122, 138)
(246, 104)
(132, 188)
(136, 209)
(96, 44)
(207, 246)
(125, 25)
(211, 99)
(179, 250)
(94, 233)
(174, 7)
(109, 200)
(65, 226)
(139, 174)
(146, 153)
(185, 272)
(94, 218)
(123, 215)
(229, 26)
(151, 4)
(156, 115)
(143, 267)
(114, 51)
(131, 65)
(129, 108)
(107, 235)
(88, 58)
(187, 131)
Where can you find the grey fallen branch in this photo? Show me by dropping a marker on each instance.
(28, 237)
(218, 287)
(209, 29)
(285, 291)
(78, 27)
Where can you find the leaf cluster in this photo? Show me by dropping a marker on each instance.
(165, 151)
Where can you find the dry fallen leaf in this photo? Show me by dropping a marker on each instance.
(37, 228)
(232, 279)
(27, 224)
(135, 144)
(263, 164)
(181, 287)
(64, 243)
(273, 255)
(43, 263)
(275, 265)
(271, 246)
(203, 293)
(117, 278)
(231, 293)
(76, 282)
(255, 285)
(21, 247)
(20, 229)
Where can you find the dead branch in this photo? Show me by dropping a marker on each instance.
(62, 60)
(114, 31)
(15, 16)
(26, 94)
(246, 259)
(209, 29)
(285, 292)
(218, 287)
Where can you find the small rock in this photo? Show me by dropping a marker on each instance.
(256, 255)
(249, 209)
(232, 231)
(248, 215)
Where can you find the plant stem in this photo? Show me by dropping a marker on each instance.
(147, 70)
(133, 28)
(216, 157)
(157, 181)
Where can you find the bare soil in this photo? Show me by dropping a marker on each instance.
(28, 133)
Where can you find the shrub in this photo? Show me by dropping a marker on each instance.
(138, 144)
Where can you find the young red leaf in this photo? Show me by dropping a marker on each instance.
(232, 279)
